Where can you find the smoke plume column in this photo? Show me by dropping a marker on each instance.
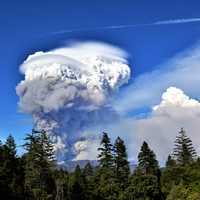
(69, 91)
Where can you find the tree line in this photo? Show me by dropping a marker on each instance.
(36, 176)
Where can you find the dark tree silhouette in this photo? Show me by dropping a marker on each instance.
(121, 162)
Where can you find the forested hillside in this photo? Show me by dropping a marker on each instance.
(35, 175)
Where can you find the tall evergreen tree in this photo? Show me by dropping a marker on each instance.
(9, 170)
(105, 176)
(105, 156)
(88, 174)
(77, 189)
(10, 146)
(88, 171)
(121, 162)
(39, 159)
(184, 152)
(147, 163)
(145, 183)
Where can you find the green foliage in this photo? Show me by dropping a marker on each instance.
(35, 176)
(184, 152)
(76, 185)
(105, 156)
(121, 162)
(10, 146)
(171, 177)
(105, 175)
(61, 178)
(142, 187)
(39, 161)
(88, 171)
(106, 186)
(147, 163)
(183, 192)
(89, 182)
(188, 176)
(11, 176)
(145, 183)
(170, 162)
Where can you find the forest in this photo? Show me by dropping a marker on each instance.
(36, 176)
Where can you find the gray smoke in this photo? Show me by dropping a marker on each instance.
(69, 91)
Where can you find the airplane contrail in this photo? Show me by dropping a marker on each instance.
(158, 23)
(177, 21)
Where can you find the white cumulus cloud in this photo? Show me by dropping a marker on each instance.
(159, 129)
(181, 71)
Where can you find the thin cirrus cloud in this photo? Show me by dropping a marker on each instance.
(113, 27)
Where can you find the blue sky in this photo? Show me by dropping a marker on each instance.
(27, 26)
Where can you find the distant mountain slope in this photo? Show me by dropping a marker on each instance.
(71, 165)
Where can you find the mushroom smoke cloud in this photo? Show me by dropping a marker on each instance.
(69, 91)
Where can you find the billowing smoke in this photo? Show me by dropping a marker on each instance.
(69, 91)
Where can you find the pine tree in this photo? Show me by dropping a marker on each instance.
(121, 163)
(78, 173)
(39, 161)
(10, 146)
(77, 185)
(46, 150)
(32, 173)
(105, 176)
(88, 175)
(145, 184)
(9, 170)
(88, 171)
(184, 152)
(147, 163)
(105, 156)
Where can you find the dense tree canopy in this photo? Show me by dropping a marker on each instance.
(36, 176)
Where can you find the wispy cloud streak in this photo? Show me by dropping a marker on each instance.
(115, 27)
(177, 21)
